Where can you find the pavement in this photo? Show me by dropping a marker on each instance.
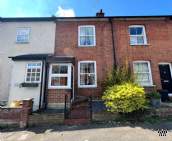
(91, 132)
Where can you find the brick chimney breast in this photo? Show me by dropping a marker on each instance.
(100, 13)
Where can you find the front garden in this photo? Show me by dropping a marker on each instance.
(128, 101)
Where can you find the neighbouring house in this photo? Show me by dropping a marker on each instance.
(84, 50)
(32, 38)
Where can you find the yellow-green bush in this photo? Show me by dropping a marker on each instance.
(124, 98)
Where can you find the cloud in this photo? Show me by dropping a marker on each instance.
(65, 12)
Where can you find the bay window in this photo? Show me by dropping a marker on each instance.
(60, 76)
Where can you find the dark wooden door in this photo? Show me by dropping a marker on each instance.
(165, 75)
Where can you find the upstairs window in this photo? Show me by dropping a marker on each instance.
(22, 35)
(86, 35)
(142, 71)
(33, 73)
(137, 35)
(87, 74)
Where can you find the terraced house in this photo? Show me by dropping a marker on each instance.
(85, 50)
(28, 37)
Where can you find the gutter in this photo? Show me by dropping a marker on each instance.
(113, 44)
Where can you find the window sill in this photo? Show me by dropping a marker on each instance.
(87, 46)
(139, 44)
(66, 88)
(25, 84)
(87, 86)
(22, 42)
(149, 86)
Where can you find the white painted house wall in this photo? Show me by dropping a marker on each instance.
(19, 93)
(42, 40)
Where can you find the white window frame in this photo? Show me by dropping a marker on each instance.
(94, 35)
(144, 34)
(150, 71)
(17, 34)
(87, 86)
(33, 67)
(60, 75)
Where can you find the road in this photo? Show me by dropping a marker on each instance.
(93, 132)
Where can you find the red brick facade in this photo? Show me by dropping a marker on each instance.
(58, 95)
(158, 49)
(67, 45)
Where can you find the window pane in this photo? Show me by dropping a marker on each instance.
(55, 81)
(28, 79)
(59, 81)
(142, 77)
(32, 79)
(87, 79)
(63, 69)
(87, 40)
(133, 31)
(133, 40)
(86, 31)
(139, 30)
(55, 69)
(63, 81)
(87, 68)
(33, 72)
(28, 70)
(140, 40)
(38, 70)
(22, 35)
(141, 67)
(136, 30)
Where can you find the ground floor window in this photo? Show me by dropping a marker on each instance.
(33, 72)
(60, 76)
(142, 72)
(87, 74)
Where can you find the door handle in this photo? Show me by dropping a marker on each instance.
(165, 81)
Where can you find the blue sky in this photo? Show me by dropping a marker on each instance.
(37, 8)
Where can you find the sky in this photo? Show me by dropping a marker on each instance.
(71, 8)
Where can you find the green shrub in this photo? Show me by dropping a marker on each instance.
(124, 98)
(119, 75)
(154, 95)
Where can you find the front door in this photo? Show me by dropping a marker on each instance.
(165, 75)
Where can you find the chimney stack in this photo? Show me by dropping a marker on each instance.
(100, 14)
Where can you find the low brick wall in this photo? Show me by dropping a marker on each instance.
(56, 98)
(161, 112)
(104, 116)
(16, 115)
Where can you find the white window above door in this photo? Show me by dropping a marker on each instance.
(60, 76)
(86, 36)
(137, 35)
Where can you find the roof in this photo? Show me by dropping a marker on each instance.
(27, 19)
(53, 18)
(48, 57)
(26, 57)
